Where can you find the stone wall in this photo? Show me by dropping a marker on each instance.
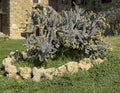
(14, 12)
(18, 15)
(44, 2)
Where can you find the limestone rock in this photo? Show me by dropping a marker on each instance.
(7, 61)
(12, 54)
(72, 67)
(48, 76)
(98, 61)
(56, 72)
(13, 76)
(85, 65)
(37, 71)
(86, 60)
(37, 74)
(24, 54)
(50, 71)
(43, 2)
(36, 78)
(25, 72)
(60, 71)
(11, 70)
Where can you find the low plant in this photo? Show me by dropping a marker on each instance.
(77, 30)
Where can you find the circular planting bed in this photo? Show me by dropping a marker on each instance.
(36, 74)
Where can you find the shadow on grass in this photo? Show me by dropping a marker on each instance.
(63, 56)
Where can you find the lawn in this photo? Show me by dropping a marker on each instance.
(104, 78)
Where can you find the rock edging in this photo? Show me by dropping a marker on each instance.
(36, 74)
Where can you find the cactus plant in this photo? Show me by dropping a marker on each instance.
(74, 29)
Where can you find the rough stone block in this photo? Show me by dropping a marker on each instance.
(25, 72)
(11, 70)
(85, 66)
(72, 67)
(60, 71)
(24, 54)
(38, 73)
(7, 61)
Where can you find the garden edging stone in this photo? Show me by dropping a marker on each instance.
(36, 74)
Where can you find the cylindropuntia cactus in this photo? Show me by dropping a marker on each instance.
(76, 29)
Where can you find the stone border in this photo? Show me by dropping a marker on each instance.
(36, 74)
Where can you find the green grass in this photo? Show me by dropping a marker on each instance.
(104, 78)
(115, 43)
(6, 46)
